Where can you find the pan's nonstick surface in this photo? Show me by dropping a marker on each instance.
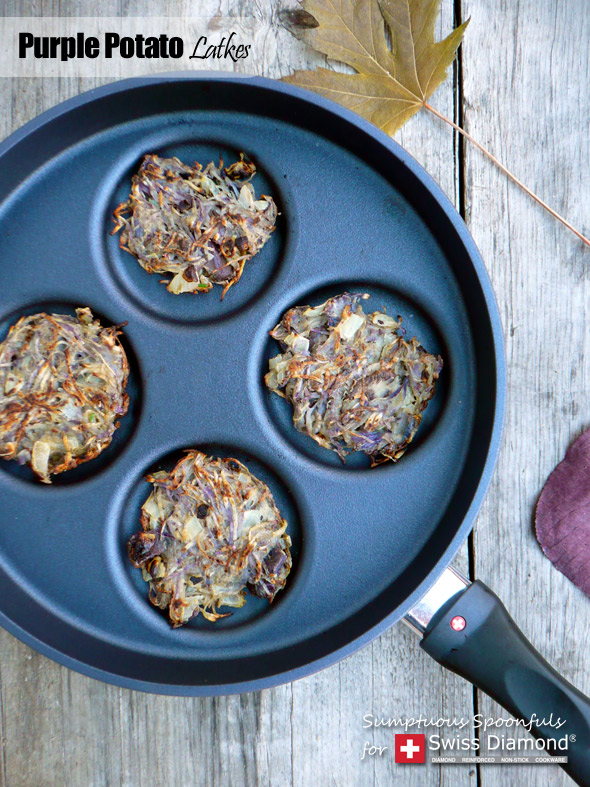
(357, 213)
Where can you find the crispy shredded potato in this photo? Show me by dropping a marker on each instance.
(199, 225)
(209, 530)
(355, 384)
(62, 391)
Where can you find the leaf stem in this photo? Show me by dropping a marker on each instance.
(507, 172)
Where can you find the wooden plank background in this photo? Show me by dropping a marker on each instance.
(522, 90)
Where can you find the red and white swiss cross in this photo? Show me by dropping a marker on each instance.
(410, 748)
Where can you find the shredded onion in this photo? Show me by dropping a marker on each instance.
(209, 530)
(199, 225)
(354, 382)
(62, 391)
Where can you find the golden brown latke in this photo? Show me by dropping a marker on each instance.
(199, 225)
(62, 391)
(209, 530)
(354, 382)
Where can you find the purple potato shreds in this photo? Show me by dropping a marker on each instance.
(62, 391)
(199, 225)
(210, 529)
(355, 384)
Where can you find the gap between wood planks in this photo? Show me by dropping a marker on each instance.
(460, 179)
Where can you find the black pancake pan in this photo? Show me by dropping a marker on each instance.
(357, 213)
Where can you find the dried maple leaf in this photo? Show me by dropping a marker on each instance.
(391, 84)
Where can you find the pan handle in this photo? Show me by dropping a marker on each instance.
(472, 634)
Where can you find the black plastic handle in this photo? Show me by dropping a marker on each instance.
(493, 654)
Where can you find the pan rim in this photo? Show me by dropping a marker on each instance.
(499, 392)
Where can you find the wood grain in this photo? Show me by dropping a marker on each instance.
(526, 77)
(527, 100)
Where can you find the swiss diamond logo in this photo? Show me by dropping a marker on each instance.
(410, 748)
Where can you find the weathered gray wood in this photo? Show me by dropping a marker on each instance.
(526, 92)
(59, 727)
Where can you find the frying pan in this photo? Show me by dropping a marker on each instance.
(370, 546)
